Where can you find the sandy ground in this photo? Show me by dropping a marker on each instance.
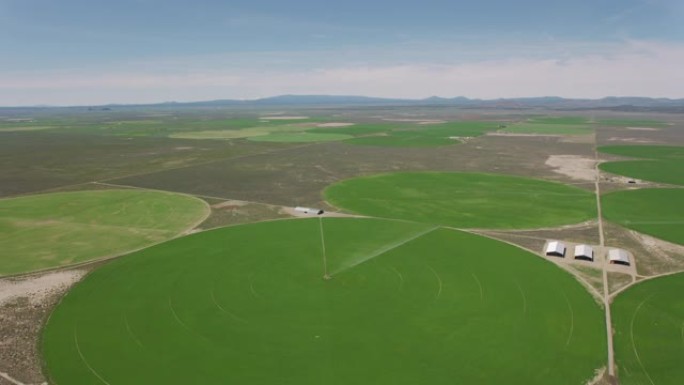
(642, 128)
(574, 166)
(291, 211)
(600, 259)
(267, 118)
(25, 304)
(514, 134)
(630, 140)
(334, 124)
(427, 122)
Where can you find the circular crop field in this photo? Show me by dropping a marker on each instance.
(465, 200)
(326, 301)
(654, 211)
(649, 332)
(50, 230)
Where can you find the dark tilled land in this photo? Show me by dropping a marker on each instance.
(297, 176)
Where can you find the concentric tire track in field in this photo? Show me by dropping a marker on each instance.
(231, 316)
(631, 336)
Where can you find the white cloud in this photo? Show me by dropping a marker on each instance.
(636, 68)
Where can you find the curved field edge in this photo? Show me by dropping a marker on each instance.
(464, 200)
(662, 164)
(648, 320)
(658, 212)
(240, 302)
(47, 231)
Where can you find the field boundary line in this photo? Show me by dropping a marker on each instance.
(631, 335)
(644, 279)
(591, 289)
(384, 249)
(78, 349)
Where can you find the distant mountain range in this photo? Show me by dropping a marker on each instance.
(460, 101)
(548, 102)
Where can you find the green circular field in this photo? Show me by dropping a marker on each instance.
(662, 164)
(405, 304)
(649, 332)
(654, 211)
(464, 200)
(299, 137)
(51, 230)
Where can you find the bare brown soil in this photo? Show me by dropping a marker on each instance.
(25, 304)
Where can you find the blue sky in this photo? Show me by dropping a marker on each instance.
(126, 51)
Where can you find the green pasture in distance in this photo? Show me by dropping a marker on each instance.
(15, 128)
(550, 129)
(654, 211)
(645, 151)
(649, 332)
(632, 123)
(465, 200)
(355, 130)
(402, 139)
(52, 230)
(249, 305)
(426, 135)
(298, 137)
(665, 164)
(241, 133)
(572, 120)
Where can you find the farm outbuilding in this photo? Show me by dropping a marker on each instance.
(584, 252)
(555, 248)
(619, 257)
(307, 210)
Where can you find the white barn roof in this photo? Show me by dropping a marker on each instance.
(618, 255)
(555, 247)
(584, 251)
(308, 210)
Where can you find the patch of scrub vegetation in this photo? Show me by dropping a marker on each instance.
(299, 137)
(402, 139)
(549, 129)
(663, 164)
(426, 135)
(649, 332)
(52, 230)
(238, 304)
(465, 200)
(654, 211)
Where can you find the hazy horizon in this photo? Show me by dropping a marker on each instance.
(77, 52)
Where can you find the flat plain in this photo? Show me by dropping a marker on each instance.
(407, 301)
